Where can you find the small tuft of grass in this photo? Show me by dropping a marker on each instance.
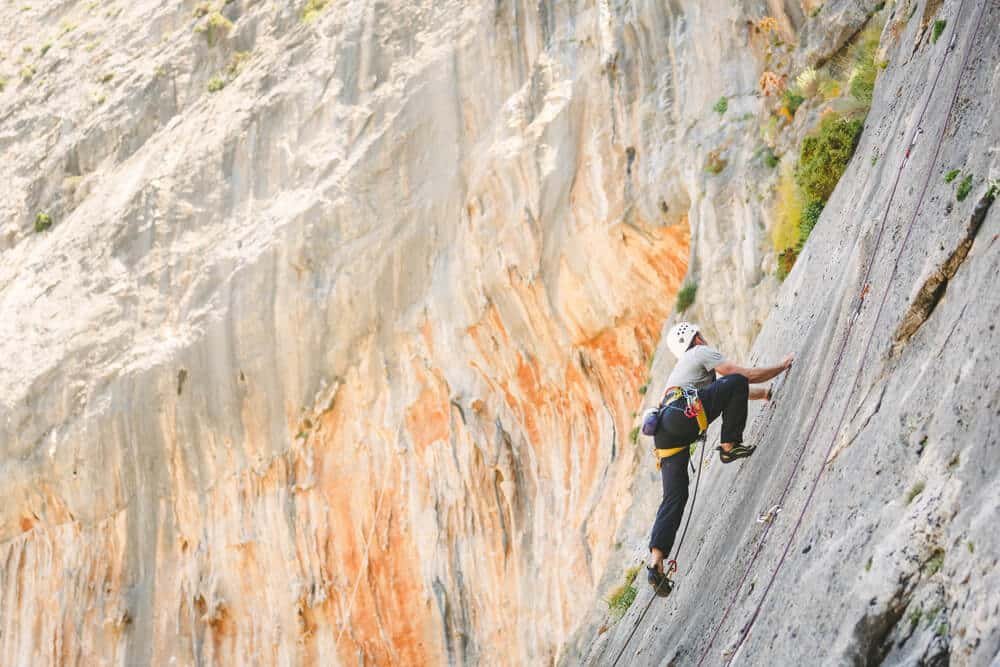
(786, 260)
(236, 63)
(951, 175)
(864, 66)
(769, 159)
(42, 222)
(27, 73)
(634, 435)
(3, 83)
(824, 156)
(810, 216)
(686, 296)
(622, 597)
(215, 84)
(715, 163)
(45, 48)
(313, 9)
(934, 563)
(721, 105)
(915, 618)
(868, 565)
(972, 547)
(992, 189)
(792, 101)
(964, 188)
(644, 388)
(107, 77)
(215, 27)
(914, 491)
(938, 28)
(787, 209)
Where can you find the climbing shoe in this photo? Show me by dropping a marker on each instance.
(660, 582)
(737, 452)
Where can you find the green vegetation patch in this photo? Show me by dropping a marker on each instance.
(964, 188)
(686, 296)
(938, 28)
(721, 105)
(810, 216)
(634, 435)
(236, 63)
(215, 84)
(864, 63)
(313, 9)
(42, 222)
(951, 175)
(769, 159)
(215, 27)
(825, 155)
(934, 563)
(792, 100)
(786, 260)
(914, 491)
(623, 596)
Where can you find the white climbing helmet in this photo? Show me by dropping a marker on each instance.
(680, 337)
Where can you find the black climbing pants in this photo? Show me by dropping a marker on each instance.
(728, 397)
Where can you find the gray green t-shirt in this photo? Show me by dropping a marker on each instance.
(695, 367)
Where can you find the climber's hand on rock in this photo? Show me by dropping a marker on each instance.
(786, 363)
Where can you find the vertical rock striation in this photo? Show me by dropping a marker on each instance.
(331, 350)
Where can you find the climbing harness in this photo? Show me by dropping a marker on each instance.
(693, 410)
(730, 653)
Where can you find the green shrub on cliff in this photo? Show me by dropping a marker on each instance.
(825, 155)
(964, 188)
(864, 63)
(313, 9)
(215, 27)
(810, 216)
(685, 297)
(939, 26)
(622, 597)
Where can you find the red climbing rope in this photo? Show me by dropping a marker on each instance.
(745, 631)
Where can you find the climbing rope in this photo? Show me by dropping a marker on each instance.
(745, 631)
(672, 562)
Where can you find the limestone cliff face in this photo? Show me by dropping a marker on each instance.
(863, 530)
(331, 349)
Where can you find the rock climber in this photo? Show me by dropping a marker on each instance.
(693, 399)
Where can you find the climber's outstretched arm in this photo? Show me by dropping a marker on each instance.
(756, 374)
